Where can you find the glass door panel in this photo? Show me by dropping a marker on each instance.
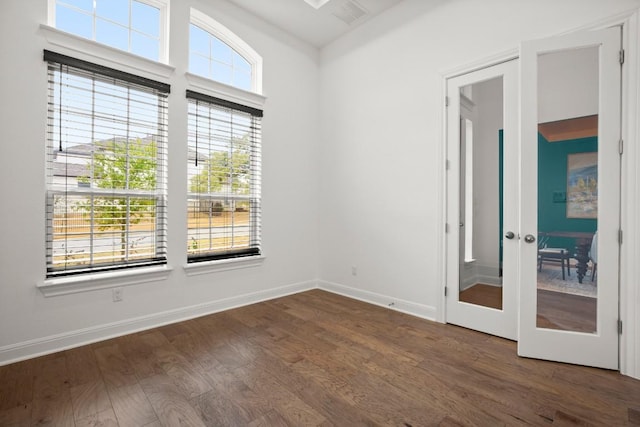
(568, 99)
(481, 124)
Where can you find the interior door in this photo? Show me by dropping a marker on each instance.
(482, 153)
(570, 198)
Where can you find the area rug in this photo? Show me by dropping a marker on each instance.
(550, 279)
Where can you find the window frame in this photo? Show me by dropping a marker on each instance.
(231, 259)
(161, 5)
(216, 29)
(125, 273)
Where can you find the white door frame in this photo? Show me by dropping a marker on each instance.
(497, 322)
(630, 215)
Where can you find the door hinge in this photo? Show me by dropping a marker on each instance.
(620, 237)
(621, 146)
(619, 327)
(621, 56)
(446, 227)
(446, 101)
(445, 291)
(447, 164)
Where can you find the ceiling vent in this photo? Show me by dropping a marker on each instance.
(348, 11)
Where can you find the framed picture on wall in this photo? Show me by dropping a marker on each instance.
(582, 185)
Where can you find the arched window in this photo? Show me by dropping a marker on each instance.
(218, 54)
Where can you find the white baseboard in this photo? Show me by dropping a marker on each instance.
(54, 343)
(407, 307)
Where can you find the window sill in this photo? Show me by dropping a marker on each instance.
(112, 279)
(221, 90)
(205, 267)
(98, 52)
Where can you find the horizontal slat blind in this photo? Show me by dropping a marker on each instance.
(224, 205)
(106, 169)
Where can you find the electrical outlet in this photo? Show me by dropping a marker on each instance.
(354, 270)
(117, 294)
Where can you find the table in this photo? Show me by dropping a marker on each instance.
(583, 245)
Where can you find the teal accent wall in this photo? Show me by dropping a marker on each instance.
(552, 188)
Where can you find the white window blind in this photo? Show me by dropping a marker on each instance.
(224, 158)
(106, 168)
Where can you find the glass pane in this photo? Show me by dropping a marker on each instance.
(242, 80)
(74, 22)
(220, 51)
(221, 72)
(199, 40)
(113, 10)
(481, 125)
(568, 96)
(86, 5)
(241, 64)
(218, 225)
(145, 46)
(199, 65)
(145, 18)
(112, 34)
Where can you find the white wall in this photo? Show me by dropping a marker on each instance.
(381, 152)
(31, 323)
(563, 92)
(486, 230)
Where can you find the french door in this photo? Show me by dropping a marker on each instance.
(570, 186)
(533, 199)
(482, 149)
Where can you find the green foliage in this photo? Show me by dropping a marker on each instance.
(224, 169)
(122, 165)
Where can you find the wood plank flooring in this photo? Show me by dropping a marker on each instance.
(484, 295)
(556, 310)
(311, 359)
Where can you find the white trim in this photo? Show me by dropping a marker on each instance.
(197, 268)
(104, 280)
(629, 287)
(103, 54)
(218, 30)
(224, 91)
(479, 64)
(414, 309)
(54, 343)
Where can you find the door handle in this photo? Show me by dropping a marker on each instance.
(529, 238)
(509, 235)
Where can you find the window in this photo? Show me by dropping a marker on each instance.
(106, 168)
(131, 25)
(223, 179)
(218, 54)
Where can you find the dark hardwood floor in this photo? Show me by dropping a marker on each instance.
(311, 359)
(556, 310)
(484, 295)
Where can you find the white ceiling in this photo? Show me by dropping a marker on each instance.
(317, 22)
